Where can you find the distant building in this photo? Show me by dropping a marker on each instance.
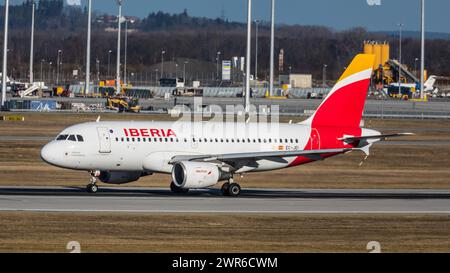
(297, 80)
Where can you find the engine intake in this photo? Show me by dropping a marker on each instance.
(196, 175)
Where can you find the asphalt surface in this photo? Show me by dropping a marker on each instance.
(261, 201)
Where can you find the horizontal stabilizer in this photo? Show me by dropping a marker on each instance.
(379, 137)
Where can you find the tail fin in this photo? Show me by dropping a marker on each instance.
(429, 84)
(344, 104)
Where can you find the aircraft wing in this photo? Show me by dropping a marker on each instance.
(313, 154)
(380, 137)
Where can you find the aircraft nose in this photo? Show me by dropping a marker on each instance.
(48, 154)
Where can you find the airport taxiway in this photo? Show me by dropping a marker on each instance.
(260, 201)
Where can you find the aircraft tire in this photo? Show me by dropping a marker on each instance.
(224, 189)
(234, 190)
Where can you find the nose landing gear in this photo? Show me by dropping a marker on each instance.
(92, 187)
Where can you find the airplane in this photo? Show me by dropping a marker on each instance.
(118, 152)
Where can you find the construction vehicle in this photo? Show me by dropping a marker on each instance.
(123, 104)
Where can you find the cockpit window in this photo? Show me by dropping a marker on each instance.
(62, 137)
(80, 138)
(72, 138)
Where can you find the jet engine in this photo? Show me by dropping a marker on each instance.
(118, 177)
(195, 175)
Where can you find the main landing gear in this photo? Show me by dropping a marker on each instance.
(175, 189)
(92, 187)
(231, 189)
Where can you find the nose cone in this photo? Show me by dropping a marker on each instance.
(48, 154)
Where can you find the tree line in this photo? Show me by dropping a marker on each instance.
(181, 36)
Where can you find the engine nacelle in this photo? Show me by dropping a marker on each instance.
(196, 175)
(119, 177)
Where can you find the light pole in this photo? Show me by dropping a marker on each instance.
(422, 53)
(119, 20)
(5, 53)
(217, 64)
(272, 48)
(256, 48)
(33, 5)
(42, 73)
(58, 64)
(184, 71)
(109, 62)
(88, 50)
(126, 52)
(324, 76)
(162, 63)
(415, 66)
(97, 61)
(400, 60)
(249, 44)
(49, 76)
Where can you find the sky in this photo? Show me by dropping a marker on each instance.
(338, 14)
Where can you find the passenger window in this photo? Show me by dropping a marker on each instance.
(117, 139)
(121, 139)
(296, 140)
(128, 139)
(72, 138)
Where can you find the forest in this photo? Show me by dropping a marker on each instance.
(183, 37)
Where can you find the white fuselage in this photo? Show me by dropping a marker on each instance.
(115, 146)
(149, 146)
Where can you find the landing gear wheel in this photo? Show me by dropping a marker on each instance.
(175, 189)
(92, 188)
(234, 189)
(224, 188)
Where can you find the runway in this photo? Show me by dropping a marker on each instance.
(259, 201)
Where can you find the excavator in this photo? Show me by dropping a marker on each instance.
(123, 104)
